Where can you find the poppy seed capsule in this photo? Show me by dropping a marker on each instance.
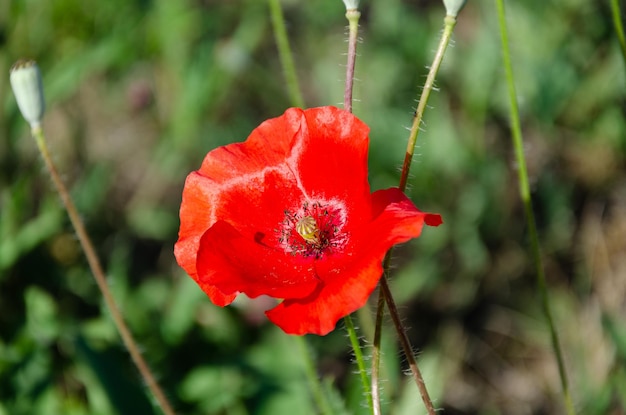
(28, 89)
(308, 230)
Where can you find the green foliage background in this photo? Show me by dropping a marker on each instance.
(139, 91)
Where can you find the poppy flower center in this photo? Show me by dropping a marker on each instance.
(314, 229)
(308, 230)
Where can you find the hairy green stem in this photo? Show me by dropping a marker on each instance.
(353, 21)
(385, 292)
(376, 344)
(406, 346)
(524, 188)
(449, 23)
(284, 53)
(98, 273)
(358, 356)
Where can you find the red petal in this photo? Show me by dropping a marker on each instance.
(194, 222)
(347, 288)
(319, 313)
(234, 263)
(236, 176)
(433, 219)
(230, 185)
(268, 145)
(331, 159)
(382, 199)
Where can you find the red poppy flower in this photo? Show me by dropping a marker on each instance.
(289, 214)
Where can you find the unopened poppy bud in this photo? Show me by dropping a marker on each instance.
(351, 4)
(453, 7)
(28, 89)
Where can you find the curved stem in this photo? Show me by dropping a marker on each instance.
(449, 23)
(284, 53)
(524, 188)
(406, 346)
(98, 273)
(358, 355)
(385, 292)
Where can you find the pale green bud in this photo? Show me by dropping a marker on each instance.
(28, 90)
(351, 4)
(453, 7)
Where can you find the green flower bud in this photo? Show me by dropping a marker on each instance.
(453, 7)
(351, 4)
(28, 90)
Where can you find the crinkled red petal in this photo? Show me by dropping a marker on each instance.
(197, 195)
(234, 263)
(229, 185)
(347, 289)
(331, 160)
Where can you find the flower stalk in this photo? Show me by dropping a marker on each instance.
(449, 23)
(353, 16)
(284, 53)
(358, 356)
(376, 343)
(28, 89)
(385, 296)
(524, 188)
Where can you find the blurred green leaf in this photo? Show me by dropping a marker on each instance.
(153, 222)
(41, 314)
(17, 242)
(116, 377)
(616, 329)
(180, 314)
(215, 388)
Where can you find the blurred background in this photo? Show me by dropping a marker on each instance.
(139, 91)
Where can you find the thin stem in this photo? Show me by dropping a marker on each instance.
(449, 23)
(376, 349)
(524, 188)
(373, 395)
(311, 374)
(358, 355)
(284, 53)
(98, 274)
(406, 346)
(385, 292)
(619, 27)
(353, 16)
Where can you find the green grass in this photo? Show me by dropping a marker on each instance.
(139, 91)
